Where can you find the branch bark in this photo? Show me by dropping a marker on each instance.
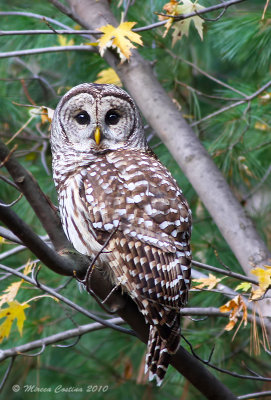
(160, 112)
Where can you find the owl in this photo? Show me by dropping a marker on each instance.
(113, 191)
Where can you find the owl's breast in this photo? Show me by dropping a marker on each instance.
(75, 217)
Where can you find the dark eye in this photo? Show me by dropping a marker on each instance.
(82, 118)
(112, 117)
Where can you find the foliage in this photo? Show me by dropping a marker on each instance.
(236, 50)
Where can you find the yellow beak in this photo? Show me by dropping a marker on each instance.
(97, 135)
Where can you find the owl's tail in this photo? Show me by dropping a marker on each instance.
(159, 352)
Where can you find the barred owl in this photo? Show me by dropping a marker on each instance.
(112, 188)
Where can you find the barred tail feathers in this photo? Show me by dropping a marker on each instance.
(159, 353)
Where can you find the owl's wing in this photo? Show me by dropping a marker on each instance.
(145, 211)
(145, 204)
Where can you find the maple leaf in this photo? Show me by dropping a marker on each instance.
(120, 38)
(14, 311)
(10, 292)
(210, 282)
(182, 27)
(108, 76)
(235, 306)
(264, 276)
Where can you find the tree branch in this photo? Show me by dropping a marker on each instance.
(65, 300)
(54, 49)
(37, 199)
(225, 272)
(48, 256)
(266, 393)
(68, 334)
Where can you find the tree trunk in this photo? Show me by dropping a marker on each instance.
(158, 109)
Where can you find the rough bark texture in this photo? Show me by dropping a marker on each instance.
(158, 109)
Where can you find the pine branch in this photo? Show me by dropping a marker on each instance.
(247, 99)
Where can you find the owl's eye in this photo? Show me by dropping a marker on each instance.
(112, 117)
(82, 118)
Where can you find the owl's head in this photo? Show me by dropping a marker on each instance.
(94, 118)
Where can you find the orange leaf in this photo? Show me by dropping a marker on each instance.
(235, 306)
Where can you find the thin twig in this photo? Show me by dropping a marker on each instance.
(49, 340)
(224, 5)
(7, 372)
(185, 16)
(225, 272)
(257, 187)
(201, 71)
(66, 300)
(9, 235)
(11, 252)
(225, 371)
(236, 104)
(124, 15)
(49, 32)
(43, 50)
(36, 16)
(209, 96)
(13, 202)
(255, 395)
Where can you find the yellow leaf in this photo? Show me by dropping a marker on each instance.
(235, 306)
(28, 267)
(14, 311)
(264, 276)
(261, 126)
(91, 43)
(120, 38)
(10, 292)
(63, 40)
(108, 76)
(210, 282)
(244, 286)
(2, 240)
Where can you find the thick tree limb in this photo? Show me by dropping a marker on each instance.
(32, 241)
(137, 75)
(38, 201)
